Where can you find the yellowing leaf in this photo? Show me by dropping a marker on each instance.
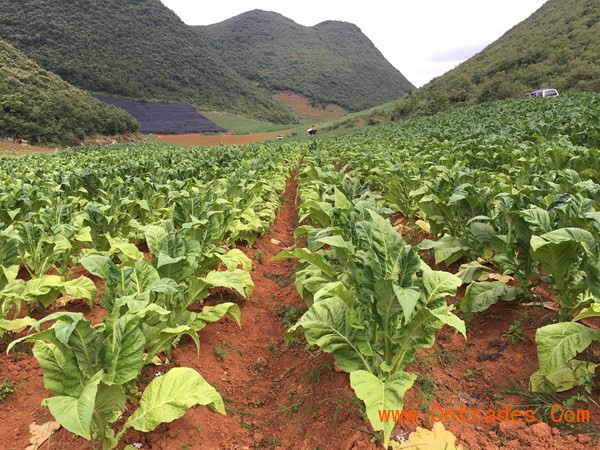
(436, 439)
(498, 277)
(423, 225)
(41, 433)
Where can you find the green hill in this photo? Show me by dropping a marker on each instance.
(332, 62)
(41, 107)
(558, 46)
(136, 49)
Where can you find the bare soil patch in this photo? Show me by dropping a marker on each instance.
(301, 105)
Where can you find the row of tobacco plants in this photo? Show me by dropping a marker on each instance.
(510, 187)
(95, 210)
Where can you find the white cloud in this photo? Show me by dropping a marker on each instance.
(421, 38)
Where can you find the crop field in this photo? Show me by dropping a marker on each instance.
(300, 295)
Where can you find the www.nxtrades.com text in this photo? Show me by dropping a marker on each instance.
(438, 413)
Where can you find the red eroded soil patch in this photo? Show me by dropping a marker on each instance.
(291, 397)
(203, 140)
(301, 105)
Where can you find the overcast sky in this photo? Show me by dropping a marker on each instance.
(421, 38)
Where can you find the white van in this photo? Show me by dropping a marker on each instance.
(542, 93)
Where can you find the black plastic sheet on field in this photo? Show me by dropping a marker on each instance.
(165, 118)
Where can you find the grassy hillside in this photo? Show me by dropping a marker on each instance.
(558, 46)
(137, 49)
(41, 107)
(332, 62)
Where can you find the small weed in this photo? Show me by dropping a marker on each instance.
(445, 358)
(470, 374)
(19, 350)
(289, 315)
(426, 389)
(515, 333)
(272, 347)
(283, 280)
(259, 255)
(260, 402)
(221, 353)
(225, 344)
(269, 442)
(6, 388)
(545, 406)
(258, 367)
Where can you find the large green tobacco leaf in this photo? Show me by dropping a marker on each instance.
(125, 250)
(44, 289)
(61, 375)
(303, 254)
(381, 396)
(8, 274)
(237, 279)
(123, 350)
(83, 342)
(109, 405)
(81, 288)
(9, 250)
(420, 331)
(101, 266)
(584, 237)
(169, 396)
(480, 296)
(559, 343)
(234, 258)
(210, 314)
(385, 246)
(556, 258)
(437, 286)
(538, 219)
(447, 249)
(327, 324)
(558, 251)
(483, 233)
(16, 324)
(75, 414)
(165, 337)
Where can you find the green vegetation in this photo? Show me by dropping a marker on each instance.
(38, 106)
(242, 125)
(332, 62)
(558, 46)
(6, 388)
(88, 210)
(136, 49)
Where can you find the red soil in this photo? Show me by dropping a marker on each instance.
(291, 397)
(301, 105)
